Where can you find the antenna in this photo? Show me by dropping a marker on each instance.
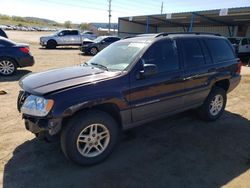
(109, 10)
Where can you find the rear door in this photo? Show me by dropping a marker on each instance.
(161, 93)
(198, 69)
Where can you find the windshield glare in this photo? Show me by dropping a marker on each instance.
(98, 39)
(117, 56)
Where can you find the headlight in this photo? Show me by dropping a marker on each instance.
(37, 106)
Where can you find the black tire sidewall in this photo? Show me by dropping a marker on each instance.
(74, 128)
(51, 44)
(12, 61)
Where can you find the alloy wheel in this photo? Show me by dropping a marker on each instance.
(93, 140)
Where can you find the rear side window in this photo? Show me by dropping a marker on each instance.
(163, 54)
(245, 42)
(192, 53)
(6, 43)
(74, 32)
(220, 49)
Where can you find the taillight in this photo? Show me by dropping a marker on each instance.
(25, 50)
(239, 65)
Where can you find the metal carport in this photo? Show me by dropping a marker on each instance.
(227, 22)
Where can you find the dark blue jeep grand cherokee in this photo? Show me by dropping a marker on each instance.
(129, 83)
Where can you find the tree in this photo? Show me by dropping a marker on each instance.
(85, 26)
(68, 24)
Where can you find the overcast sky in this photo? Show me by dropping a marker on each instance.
(79, 11)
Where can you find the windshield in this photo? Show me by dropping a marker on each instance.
(99, 39)
(234, 40)
(117, 56)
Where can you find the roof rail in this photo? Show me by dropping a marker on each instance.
(193, 33)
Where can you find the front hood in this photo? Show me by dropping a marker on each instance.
(47, 36)
(57, 79)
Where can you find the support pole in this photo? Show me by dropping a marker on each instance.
(109, 15)
(147, 26)
(191, 23)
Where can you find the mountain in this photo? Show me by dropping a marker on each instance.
(47, 21)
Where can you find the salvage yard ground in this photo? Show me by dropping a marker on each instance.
(179, 151)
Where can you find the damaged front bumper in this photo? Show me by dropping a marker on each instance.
(37, 126)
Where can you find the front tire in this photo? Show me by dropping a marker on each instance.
(89, 137)
(214, 105)
(51, 44)
(7, 66)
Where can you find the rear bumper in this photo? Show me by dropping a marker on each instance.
(234, 82)
(26, 61)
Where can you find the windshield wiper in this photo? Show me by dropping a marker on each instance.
(100, 66)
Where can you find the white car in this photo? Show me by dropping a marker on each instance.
(242, 44)
(66, 37)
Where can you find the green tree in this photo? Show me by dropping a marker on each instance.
(68, 24)
(85, 26)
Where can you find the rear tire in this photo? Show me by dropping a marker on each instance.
(51, 44)
(7, 66)
(90, 137)
(214, 105)
(93, 51)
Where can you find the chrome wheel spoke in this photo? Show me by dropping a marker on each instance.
(93, 140)
(216, 105)
(86, 149)
(83, 138)
(103, 135)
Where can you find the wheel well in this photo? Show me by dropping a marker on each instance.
(52, 40)
(109, 108)
(11, 58)
(224, 84)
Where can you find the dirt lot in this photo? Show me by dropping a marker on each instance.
(180, 151)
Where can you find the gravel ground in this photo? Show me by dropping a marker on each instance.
(179, 151)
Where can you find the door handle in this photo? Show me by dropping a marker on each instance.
(191, 77)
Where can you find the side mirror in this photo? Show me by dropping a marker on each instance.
(148, 71)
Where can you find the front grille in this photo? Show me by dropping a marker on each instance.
(21, 98)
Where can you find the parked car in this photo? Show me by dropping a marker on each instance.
(67, 37)
(13, 55)
(242, 45)
(3, 34)
(98, 44)
(129, 83)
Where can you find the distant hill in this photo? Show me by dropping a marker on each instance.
(46, 21)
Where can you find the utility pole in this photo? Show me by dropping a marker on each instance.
(109, 1)
(161, 7)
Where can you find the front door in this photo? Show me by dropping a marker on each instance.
(160, 94)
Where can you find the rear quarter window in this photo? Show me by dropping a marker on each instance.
(220, 49)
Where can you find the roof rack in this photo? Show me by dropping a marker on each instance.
(193, 33)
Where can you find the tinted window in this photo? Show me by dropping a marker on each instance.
(6, 42)
(111, 39)
(244, 42)
(192, 53)
(164, 55)
(75, 32)
(220, 49)
(234, 40)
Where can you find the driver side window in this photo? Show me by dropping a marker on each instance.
(164, 55)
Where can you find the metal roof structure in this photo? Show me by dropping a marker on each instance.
(187, 20)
